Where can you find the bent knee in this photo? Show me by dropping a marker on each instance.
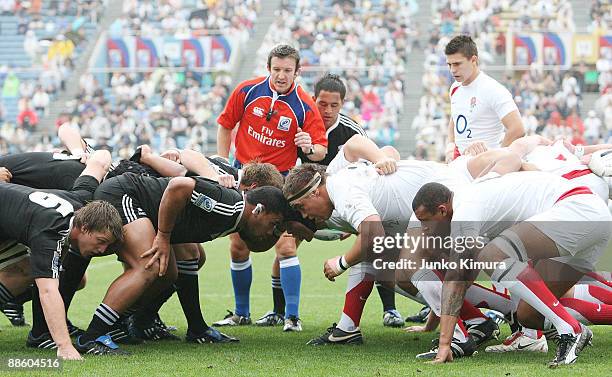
(286, 247)
(529, 317)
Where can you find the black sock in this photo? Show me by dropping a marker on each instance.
(24, 297)
(144, 316)
(387, 296)
(39, 324)
(103, 320)
(5, 295)
(277, 296)
(189, 295)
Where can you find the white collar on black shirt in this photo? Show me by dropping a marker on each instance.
(336, 123)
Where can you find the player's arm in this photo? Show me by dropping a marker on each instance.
(456, 283)
(524, 145)
(97, 164)
(224, 140)
(320, 151)
(501, 161)
(165, 167)
(514, 127)
(449, 152)
(315, 152)
(312, 139)
(173, 201)
(365, 241)
(54, 311)
(231, 115)
(360, 147)
(72, 140)
(197, 163)
(588, 149)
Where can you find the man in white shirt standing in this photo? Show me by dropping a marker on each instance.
(592, 125)
(483, 113)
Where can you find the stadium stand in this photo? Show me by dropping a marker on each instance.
(367, 45)
(165, 108)
(547, 99)
(187, 18)
(39, 42)
(601, 16)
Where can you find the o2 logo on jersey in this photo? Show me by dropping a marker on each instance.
(203, 201)
(284, 123)
(461, 125)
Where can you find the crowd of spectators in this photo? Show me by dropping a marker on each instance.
(368, 45)
(601, 16)
(163, 108)
(51, 33)
(488, 20)
(550, 101)
(186, 18)
(167, 107)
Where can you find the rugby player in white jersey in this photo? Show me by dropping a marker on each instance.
(565, 160)
(411, 176)
(358, 195)
(540, 205)
(541, 154)
(483, 113)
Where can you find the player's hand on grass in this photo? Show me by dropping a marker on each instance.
(444, 355)
(160, 250)
(415, 329)
(5, 175)
(226, 180)
(475, 149)
(68, 353)
(386, 166)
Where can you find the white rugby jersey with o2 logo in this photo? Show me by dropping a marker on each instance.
(477, 110)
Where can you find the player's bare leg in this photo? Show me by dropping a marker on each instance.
(127, 289)
(526, 283)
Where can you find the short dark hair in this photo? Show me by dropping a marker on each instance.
(299, 177)
(271, 198)
(463, 44)
(100, 216)
(262, 174)
(430, 196)
(330, 83)
(284, 51)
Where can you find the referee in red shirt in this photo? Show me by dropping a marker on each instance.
(276, 117)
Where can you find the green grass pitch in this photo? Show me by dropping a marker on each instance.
(269, 351)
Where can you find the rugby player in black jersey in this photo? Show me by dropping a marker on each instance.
(46, 222)
(158, 212)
